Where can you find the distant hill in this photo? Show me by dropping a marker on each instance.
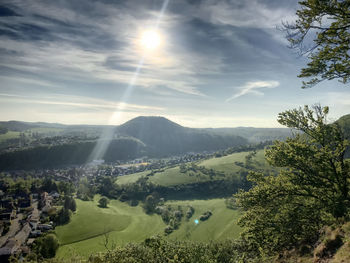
(68, 154)
(164, 137)
(344, 123)
(255, 135)
(56, 144)
(17, 125)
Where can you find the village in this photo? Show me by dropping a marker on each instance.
(24, 217)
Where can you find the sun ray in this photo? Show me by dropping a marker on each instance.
(108, 134)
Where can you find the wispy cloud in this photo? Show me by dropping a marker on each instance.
(242, 13)
(254, 87)
(80, 102)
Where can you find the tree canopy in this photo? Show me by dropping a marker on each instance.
(311, 190)
(103, 202)
(327, 24)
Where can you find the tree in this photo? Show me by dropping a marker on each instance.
(69, 203)
(310, 191)
(327, 22)
(103, 202)
(47, 246)
(150, 204)
(63, 216)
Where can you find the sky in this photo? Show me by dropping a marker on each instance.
(216, 63)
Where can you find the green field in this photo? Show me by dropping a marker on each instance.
(45, 130)
(15, 134)
(221, 225)
(85, 232)
(227, 163)
(84, 235)
(172, 176)
(131, 178)
(9, 135)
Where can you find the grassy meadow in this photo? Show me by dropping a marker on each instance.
(84, 234)
(221, 225)
(9, 135)
(172, 176)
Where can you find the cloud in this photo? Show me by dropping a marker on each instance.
(242, 13)
(254, 87)
(79, 102)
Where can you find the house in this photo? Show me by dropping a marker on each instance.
(33, 225)
(44, 227)
(10, 248)
(30, 241)
(54, 195)
(35, 233)
(14, 244)
(35, 196)
(8, 216)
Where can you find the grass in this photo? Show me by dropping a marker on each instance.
(221, 225)
(172, 176)
(225, 164)
(131, 178)
(9, 135)
(84, 235)
(168, 177)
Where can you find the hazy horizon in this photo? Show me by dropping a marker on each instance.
(84, 124)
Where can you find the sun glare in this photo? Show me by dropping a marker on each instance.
(151, 39)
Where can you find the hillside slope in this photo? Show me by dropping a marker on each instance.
(164, 137)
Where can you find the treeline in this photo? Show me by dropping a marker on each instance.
(158, 250)
(68, 154)
(139, 190)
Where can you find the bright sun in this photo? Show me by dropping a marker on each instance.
(151, 39)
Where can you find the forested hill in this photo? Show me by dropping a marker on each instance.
(45, 144)
(344, 123)
(164, 137)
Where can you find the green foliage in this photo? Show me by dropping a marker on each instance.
(150, 204)
(63, 216)
(46, 246)
(316, 159)
(311, 190)
(85, 191)
(103, 202)
(67, 154)
(189, 212)
(3, 130)
(205, 216)
(69, 203)
(157, 250)
(328, 23)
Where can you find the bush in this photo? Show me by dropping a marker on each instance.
(47, 246)
(133, 202)
(205, 216)
(168, 230)
(103, 202)
(189, 212)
